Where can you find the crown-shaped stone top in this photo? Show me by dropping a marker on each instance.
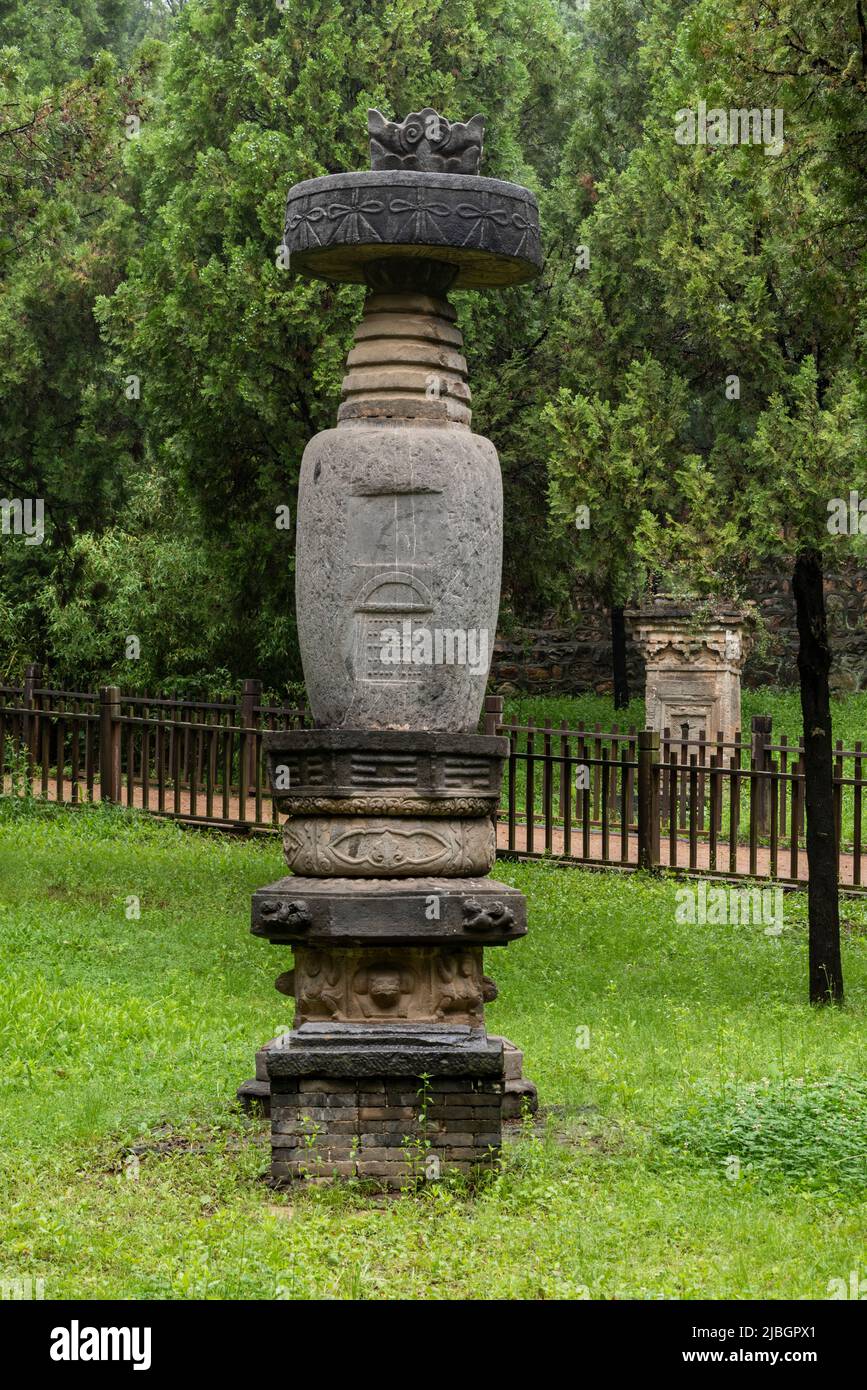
(426, 141)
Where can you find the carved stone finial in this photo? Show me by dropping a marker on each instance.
(426, 141)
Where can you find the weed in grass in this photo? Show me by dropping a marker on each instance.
(811, 1134)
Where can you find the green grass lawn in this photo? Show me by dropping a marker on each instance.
(124, 1035)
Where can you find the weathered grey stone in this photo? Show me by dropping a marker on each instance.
(397, 580)
(487, 229)
(255, 1095)
(520, 1098)
(425, 140)
(407, 363)
(693, 668)
(390, 846)
(399, 548)
(420, 984)
(360, 1050)
(384, 772)
(513, 1060)
(418, 911)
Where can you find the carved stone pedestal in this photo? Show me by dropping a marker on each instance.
(519, 1095)
(693, 668)
(374, 960)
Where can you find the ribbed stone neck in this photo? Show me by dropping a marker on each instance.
(407, 365)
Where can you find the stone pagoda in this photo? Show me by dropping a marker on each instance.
(390, 799)
(693, 663)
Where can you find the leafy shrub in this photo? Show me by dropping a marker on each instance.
(808, 1133)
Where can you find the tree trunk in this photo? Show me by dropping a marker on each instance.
(618, 657)
(814, 664)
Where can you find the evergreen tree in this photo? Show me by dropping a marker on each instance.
(67, 228)
(240, 362)
(742, 269)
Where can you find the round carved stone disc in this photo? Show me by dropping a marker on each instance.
(488, 229)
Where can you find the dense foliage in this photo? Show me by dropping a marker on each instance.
(160, 374)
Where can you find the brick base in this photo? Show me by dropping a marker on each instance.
(389, 1130)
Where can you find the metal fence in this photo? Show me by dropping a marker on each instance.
(622, 798)
(194, 760)
(629, 798)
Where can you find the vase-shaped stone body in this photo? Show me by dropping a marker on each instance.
(399, 544)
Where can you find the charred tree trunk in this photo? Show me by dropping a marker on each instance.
(618, 657)
(814, 664)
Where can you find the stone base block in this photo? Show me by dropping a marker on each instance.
(392, 1130)
(387, 1103)
(519, 1099)
(520, 1096)
(351, 1050)
(254, 1096)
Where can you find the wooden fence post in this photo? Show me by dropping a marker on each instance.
(493, 713)
(29, 700)
(251, 696)
(493, 720)
(760, 732)
(648, 799)
(109, 743)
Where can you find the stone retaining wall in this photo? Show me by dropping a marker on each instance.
(577, 658)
